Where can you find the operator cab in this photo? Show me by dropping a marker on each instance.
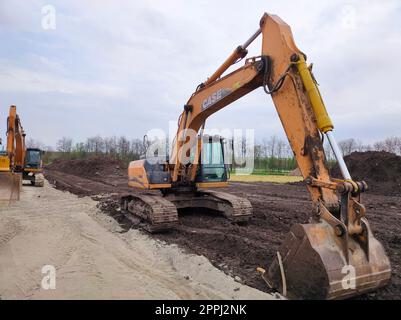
(33, 158)
(212, 167)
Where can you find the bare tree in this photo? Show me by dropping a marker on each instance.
(32, 143)
(281, 148)
(392, 144)
(379, 146)
(64, 145)
(137, 148)
(272, 145)
(258, 151)
(123, 147)
(94, 145)
(348, 146)
(265, 147)
(110, 145)
(367, 147)
(98, 144)
(79, 148)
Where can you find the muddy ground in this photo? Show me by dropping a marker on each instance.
(237, 250)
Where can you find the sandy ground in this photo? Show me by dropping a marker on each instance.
(94, 259)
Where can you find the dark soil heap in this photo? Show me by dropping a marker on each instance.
(381, 170)
(90, 167)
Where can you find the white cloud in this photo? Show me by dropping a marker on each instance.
(18, 80)
(141, 60)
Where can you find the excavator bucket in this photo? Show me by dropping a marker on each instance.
(10, 187)
(316, 263)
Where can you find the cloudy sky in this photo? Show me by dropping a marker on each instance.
(125, 67)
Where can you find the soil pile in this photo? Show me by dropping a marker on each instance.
(381, 170)
(90, 168)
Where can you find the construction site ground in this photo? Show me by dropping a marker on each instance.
(95, 258)
(237, 250)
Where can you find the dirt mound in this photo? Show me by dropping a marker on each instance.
(381, 170)
(91, 167)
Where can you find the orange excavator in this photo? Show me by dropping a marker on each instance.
(335, 255)
(18, 163)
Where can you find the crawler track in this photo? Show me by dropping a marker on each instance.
(157, 213)
(234, 208)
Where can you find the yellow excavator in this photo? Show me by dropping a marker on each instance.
(18, 163)
(335, 255)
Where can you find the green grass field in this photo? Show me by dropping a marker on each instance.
(264, 178)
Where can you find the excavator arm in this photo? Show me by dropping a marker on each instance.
(315, 255)
(15, 140)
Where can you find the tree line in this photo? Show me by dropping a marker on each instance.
(271, 153)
